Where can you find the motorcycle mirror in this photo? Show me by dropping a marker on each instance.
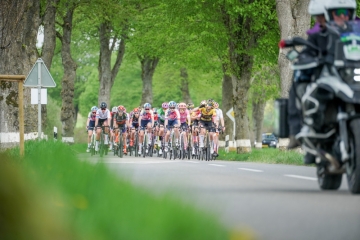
(297, 41)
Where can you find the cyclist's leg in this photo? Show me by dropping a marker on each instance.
(202, 133)
(90, 132)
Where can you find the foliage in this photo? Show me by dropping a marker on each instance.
(267, 155)
(98, 205)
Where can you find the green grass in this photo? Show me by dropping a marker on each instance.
(98, 205)
(266, 155)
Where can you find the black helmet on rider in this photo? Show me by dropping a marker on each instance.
(103, 105)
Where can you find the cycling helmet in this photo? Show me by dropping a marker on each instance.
(165, 105)
(216, 105)
(121, 108)
(94, 108)
(203, 102)
(210, 101)
(136, 110)
(182, 105)
(316, 7)
(103, 105)
(147, 105)
(190, 106)
(155, 110)
(114, 109)
(209, 104)
(172, 104)
(349, 5)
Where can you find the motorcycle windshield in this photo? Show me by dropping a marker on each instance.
(348, 46)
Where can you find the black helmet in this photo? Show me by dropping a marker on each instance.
(103, 105)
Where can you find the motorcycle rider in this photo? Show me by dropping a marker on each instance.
(338, 11)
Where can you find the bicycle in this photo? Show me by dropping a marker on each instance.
(102, 148)
(120, 146)
(148, 145)
(92, 143)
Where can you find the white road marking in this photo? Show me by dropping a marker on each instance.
(217, 165)
(138, 162)
(301, 177)
(251, 170)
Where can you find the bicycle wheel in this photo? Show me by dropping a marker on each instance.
(92, 145)
(173, 146)
(121, 145)
(207, 153)
(136, 144)
(101, 144)
(144, 145)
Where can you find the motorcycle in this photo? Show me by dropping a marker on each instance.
(330, 105)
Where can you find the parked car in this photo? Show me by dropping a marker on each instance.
(269, 140)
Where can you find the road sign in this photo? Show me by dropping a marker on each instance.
(44, 79)
(230, 114)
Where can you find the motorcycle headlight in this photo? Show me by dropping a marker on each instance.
(273, 142)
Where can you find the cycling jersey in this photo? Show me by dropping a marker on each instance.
(91, 116)
(219, 114)
(183, 116)
(103, 114)
(161, 114)
(121, 119)
(172, 115)
(207, 115)
(145, 115)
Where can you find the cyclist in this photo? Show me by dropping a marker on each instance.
(219, 119)
(207, 121)
(161, 113)
(134, 124)
(121, 121)
(184, 120)
(172, 119)
(103, 118)
(90, 124)
(146, 122)
(195, 116)
(112, 134)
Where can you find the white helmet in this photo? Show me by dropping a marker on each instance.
(316, 7)
(340, 4)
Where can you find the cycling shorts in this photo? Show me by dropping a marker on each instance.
(144, 123)
(184, 126)
(172, 123)
(208, 125)
(91, 125)
(101, 122)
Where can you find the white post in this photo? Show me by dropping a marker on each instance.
(55, 133)
(39, 101)
(227, 143)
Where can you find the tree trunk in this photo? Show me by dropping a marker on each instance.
(242, 40)
(258, 118)
(107, 74)
(185, 86)
(148, 66)
(49, 45)
(294, 20)
(18, 55)
(68, 80)
(227, 100)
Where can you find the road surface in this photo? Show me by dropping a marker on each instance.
(274, 201)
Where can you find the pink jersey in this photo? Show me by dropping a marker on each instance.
(183, 116)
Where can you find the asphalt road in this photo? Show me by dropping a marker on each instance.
(274, 201)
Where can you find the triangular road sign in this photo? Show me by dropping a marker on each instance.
(33, 78)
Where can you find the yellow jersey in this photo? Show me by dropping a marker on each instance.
(207, 115)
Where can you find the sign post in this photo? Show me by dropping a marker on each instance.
(39, 77)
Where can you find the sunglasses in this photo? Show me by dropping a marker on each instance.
(172, 108)
(147, 109)
(103, 108)
(339, 12)
(93, 112)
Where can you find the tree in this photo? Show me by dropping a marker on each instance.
(70, 66)
(294, 20)
(19, 23)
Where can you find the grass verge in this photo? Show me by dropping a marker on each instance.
(93, 202)
(266, 155)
